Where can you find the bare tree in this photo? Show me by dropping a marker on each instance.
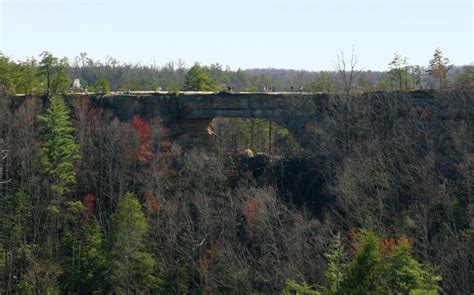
(346, 70)
(4, 179)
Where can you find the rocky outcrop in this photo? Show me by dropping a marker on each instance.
(188, 115)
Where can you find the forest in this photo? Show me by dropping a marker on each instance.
(379, 202)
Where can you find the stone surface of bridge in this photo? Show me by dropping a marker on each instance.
(188, 115)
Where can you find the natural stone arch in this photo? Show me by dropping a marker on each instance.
(188, 115)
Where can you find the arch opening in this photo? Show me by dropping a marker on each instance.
(234, 135)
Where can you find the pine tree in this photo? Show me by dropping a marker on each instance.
(59, 152)
(404, 274)
(103, 85)
(294, 288)
(377, 266)
(58, 156)
(132, 268)
(84, 260)
(364, 272)
(439, 68)
(198, 79)
(336, 269)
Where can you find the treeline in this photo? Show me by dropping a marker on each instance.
(90, 204)
(49, 72)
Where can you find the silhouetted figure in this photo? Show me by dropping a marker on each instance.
(291, 88)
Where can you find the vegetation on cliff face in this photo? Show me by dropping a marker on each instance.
(380, 200)
(371, 265)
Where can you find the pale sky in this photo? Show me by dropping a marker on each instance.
(297, 34)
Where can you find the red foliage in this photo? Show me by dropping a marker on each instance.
(142, 127)
(144, 151)
(352, 233)
(405, 240)
(89, 202)
(165, 145)
(388, 245)
(153, 205)
(351, 237)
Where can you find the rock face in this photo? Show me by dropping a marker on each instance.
(188, 115)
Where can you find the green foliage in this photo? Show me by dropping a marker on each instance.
(7, 75)
(439, 68)
(293, 288)
(18, 77)
(59, 152)
(25, 288)
(198, 79)
(399, 72)
(404, 274)
(257, 134)
(323, 82)
(465, 80)
(174, 90)
(250, 89)
(15, 228)
(103, 85)
(85, 262)
(337, 267)
(53, 70)
(17, 213)
(365, 270)
(376, 267)
(41, 275)
(365, 82)
(133, 85)
(131, 267)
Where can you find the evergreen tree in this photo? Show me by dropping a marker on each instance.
(403, 274)
(58, 157)
(364, 271)
(439, 68)
(59, 152)
(293, 288)
(103, 85)
(336, 269)
(198, 79)
(84, 260)
(131, 268)
(377, 266)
